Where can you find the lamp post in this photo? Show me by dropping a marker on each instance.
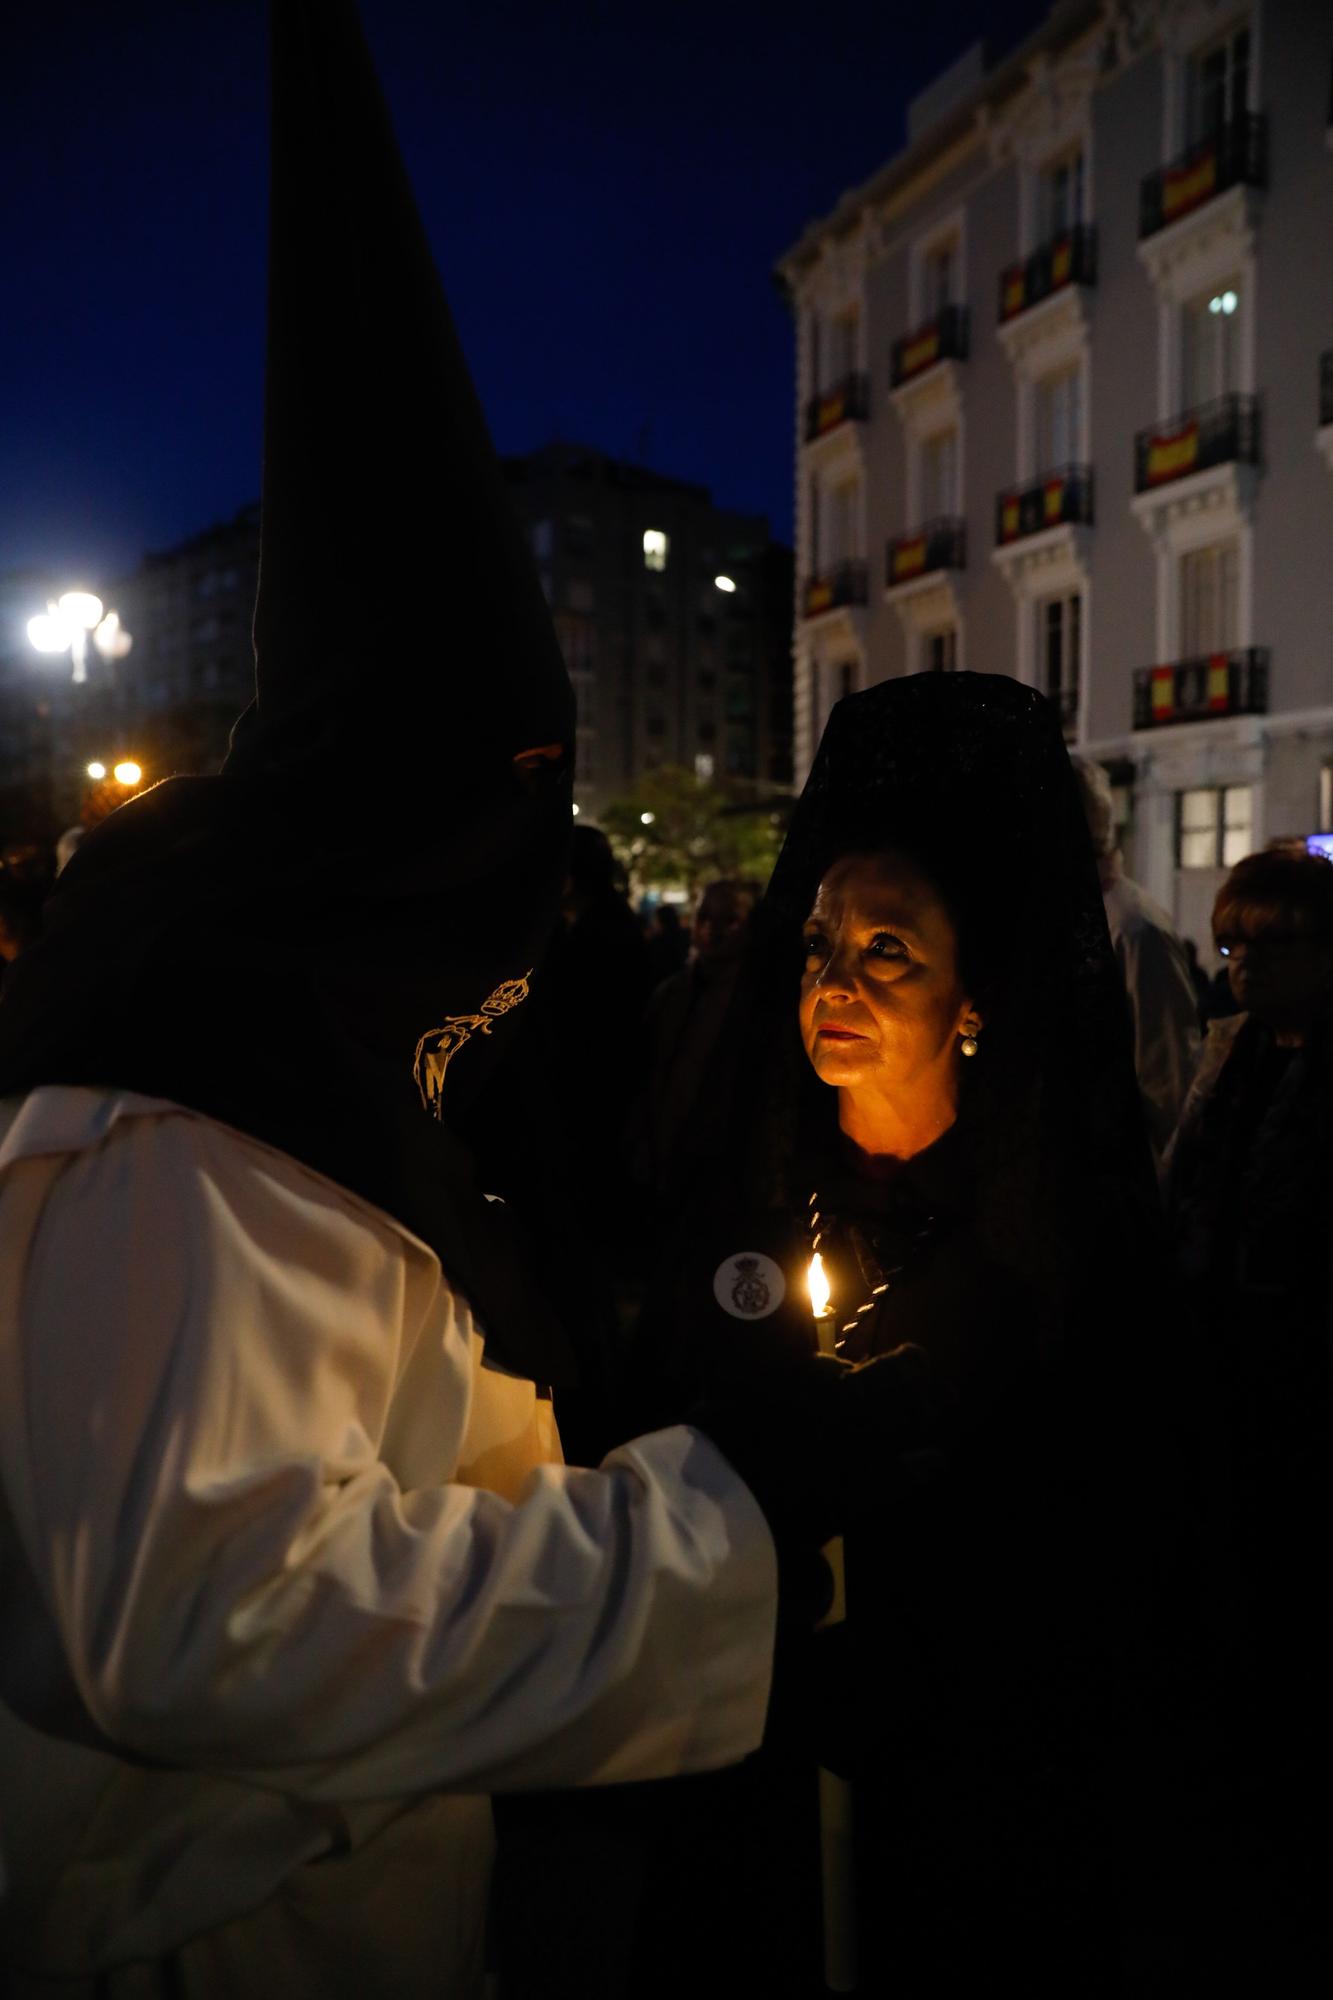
(68, 622)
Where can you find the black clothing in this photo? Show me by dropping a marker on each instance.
(325, 944)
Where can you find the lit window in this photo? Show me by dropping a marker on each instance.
(1214, 826)
(703, 767)
(654, 549)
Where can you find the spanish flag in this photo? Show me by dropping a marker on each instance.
(832, 409)
(1014, 292)
(1163, 693)
(1053, 500)
(909, 558)
(1062, 261)
(1172, 454)
(920, 353)
(1009, 518)
(1219, 684)
(818, 596)
(1185, 187)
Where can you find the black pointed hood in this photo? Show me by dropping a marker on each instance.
(326, 944)
(399, 612)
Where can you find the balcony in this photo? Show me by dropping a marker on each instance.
(941, 544)
(1068, 259)
(846, 402)
(1202, 690)
(845, 583)
(1223, 432)
(1064, 494)
(1235, 155)
(943, 338)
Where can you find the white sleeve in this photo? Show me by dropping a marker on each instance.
(240, 1585)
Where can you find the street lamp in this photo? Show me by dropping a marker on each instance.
(128, 774)
(65, 626)
(96, 771)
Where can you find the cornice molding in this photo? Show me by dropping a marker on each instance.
(1045, 563)
(1183, 257)
(1197, 508)
(1047, 334)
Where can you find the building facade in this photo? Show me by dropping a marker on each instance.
(191, 667)
(674, 617)
(1065, 411)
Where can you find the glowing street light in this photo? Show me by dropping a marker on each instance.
(128, 774)
(65, 626)
(727, 584)
(646, 819)
(96, 771)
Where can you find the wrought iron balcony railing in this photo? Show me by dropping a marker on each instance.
(1201, 690)
(1326, 388)
(1063, 494)
(1235, 154)
(1214, 433)
(1068, 259)
(844, 583)
(943, 338)
(847, 401)
(940, 544)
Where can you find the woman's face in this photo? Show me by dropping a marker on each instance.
(882, 1002)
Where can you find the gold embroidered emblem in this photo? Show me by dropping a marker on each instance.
(438, 1046)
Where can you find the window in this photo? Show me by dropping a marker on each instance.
(1060, 196)
(939, 475)
(843, 348)
(1210, 345)
(1217, 84)
(543, 540)
(940, 276)
(940, 650)
(1214, 826)
(579, 535)
(704, 766)
(816, 529)
(843, 507)
(655, 546)
(1326, 797)
(1209, 600)
(1057, 417)
(1059, 640)
(846, 679)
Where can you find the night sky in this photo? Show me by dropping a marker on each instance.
(606, 187)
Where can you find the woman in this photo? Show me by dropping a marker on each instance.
(933, 1071)
(961, 1126)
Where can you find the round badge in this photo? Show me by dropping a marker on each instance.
(749, 1285)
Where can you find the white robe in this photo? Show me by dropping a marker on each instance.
(314, 1572)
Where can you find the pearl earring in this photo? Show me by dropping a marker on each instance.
(970, 1042)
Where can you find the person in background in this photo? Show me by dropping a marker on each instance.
(668, 943)
(20, 922)
(1203, 985)
(1156, 972)
(683, 1111)
(1247, 1180)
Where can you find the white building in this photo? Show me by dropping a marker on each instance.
(1061, 413)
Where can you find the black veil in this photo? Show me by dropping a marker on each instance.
(969, 775)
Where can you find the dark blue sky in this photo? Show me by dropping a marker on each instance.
(606, 187)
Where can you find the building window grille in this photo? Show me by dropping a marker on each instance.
(655, 547)
(1057, 415)
(1210, 344)
(1217, 85)
(1209, 600)
(939, 475)
(1061, 204)
(1214, 826)
(940, 277)
(1060, 640)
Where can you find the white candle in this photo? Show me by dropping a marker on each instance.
(836, 1850)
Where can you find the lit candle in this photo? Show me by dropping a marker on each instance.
(837, 1858)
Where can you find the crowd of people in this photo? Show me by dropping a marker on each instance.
(423, 1435)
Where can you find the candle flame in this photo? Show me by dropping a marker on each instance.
(819, 1286)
